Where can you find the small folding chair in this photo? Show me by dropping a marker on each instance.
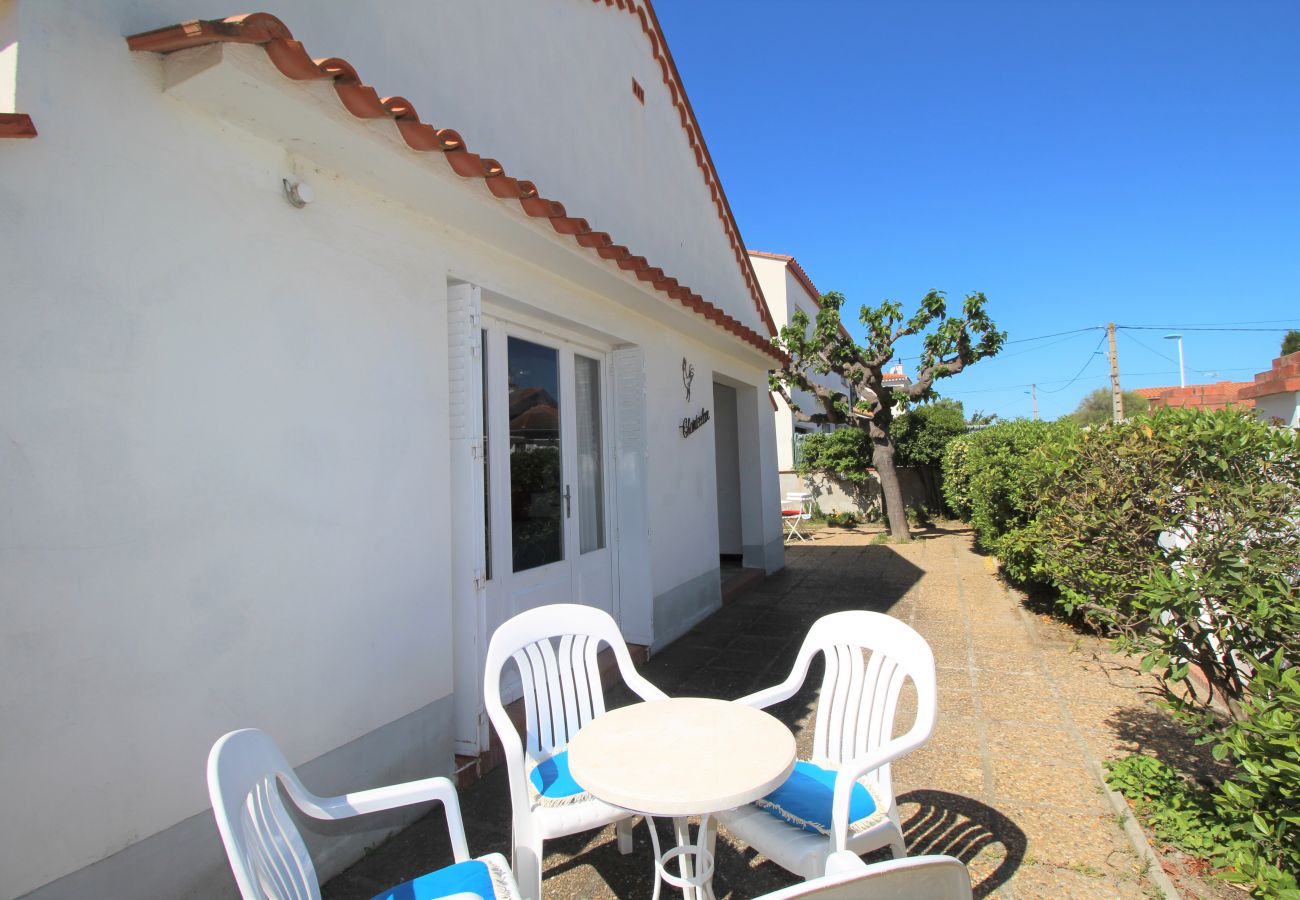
(795, 509)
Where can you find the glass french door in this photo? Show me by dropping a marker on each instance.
(546, 487)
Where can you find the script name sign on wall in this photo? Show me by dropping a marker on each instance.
(692, 424)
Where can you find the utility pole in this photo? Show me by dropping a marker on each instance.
(1116, 395)
(1033, 391)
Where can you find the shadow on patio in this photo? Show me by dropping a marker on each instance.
(1003, 784)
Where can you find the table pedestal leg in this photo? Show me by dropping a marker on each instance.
(694, 885)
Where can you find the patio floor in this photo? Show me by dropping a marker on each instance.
(1009, 782)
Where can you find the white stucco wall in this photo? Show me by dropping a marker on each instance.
(224, 419)
(1284, 405)
(223, 470)
(559, 65)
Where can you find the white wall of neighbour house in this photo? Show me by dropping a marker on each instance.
(1284, 405)
(784, 294)
(225, 456)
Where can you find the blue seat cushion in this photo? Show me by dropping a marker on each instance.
(804, 800)
(552, 783)
(473, 876)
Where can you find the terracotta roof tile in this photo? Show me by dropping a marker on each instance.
(1198, 396)
(291, 58)
(1281, 378)
(17, 125)
(800, 276)
(644, 11)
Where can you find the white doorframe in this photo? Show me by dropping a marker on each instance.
(502, 586)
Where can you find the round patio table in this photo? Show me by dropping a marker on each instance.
(681, 757)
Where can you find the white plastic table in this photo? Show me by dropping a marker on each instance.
(682, 757)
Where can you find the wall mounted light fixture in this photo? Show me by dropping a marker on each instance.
(299, 194)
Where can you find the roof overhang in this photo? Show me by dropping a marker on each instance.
(17, 125)
(248, 71)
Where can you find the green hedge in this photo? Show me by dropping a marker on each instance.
(1179, 534)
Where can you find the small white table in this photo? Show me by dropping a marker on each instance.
(682, 757)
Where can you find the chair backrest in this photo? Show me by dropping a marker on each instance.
(868, 658)
(266, 851)
(914, 878)
(555, 649)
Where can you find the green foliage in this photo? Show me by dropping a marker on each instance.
(822, 346)
(842, 519)
(1098, 407)
(957, 475)
(1178, 533)
(844, 453)
(1206, 823)
(998, 475)
(1177, 811)
(1291, 342)
(1224, 593)
(1263, 796)
(918, 514)
(922, 434)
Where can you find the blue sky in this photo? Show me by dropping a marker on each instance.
(1079, 161)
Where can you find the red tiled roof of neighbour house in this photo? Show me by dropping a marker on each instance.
(644, 11)
(1198, 396)
(360, 99)
(17, 125)
(1281, 378)
(800, 276)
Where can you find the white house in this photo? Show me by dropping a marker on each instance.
(1276, 392)
(787, 288)
(330, 339)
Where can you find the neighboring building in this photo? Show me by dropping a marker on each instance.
(287, 464)
(786, 288)
(1276, 393)
(1198, 396)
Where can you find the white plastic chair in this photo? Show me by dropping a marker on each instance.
(849, 878)
(268, 855)
(852, 734)
(562, 692)
(795, 509)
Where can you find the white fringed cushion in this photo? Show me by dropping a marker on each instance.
(551, 784)
(805, 799)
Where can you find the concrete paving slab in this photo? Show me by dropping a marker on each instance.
(1008, 783)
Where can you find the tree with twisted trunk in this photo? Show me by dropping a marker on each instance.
(826, 348)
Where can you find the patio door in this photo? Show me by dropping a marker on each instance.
(547, 493)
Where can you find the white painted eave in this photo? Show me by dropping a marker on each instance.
(237, 84)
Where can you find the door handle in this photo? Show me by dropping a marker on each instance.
(567, 507)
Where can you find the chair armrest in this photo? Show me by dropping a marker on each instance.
(851, 771)
(842, 862)
(393, 796)
(772, 695)
(643, 687)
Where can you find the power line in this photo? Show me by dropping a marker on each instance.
(1087, 362)
(1043, 337)
(1016, 387)
(1192, 328)
(1218, 324)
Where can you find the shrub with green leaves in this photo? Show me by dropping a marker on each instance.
(1007, 466)
(1263, 796)
(845, 453)
(923, 432)
(1223, 592)
(1178, 533)
(957, 475)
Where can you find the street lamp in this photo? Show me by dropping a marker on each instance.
(1182, 380)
